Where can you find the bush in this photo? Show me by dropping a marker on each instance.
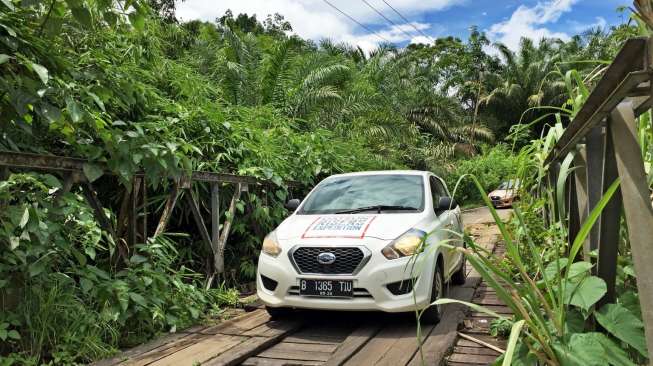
(493, 166)
(63, 298)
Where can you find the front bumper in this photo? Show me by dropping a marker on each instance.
(501, 202)
(370, 291)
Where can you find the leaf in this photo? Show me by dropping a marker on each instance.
(624, 325)
(579, 268)
(137, 298)
(137, 20)
(8, 4)
(586, 293)
(86, 284)
(36, 268)
(14, 242)
(41, 71)
(92, 171)
(74, 110)
(596, 349)
(13, 334)
(25, 218)
(3, 334)
(4, 58)
(512, 342)
(137, 259)
(82, 15)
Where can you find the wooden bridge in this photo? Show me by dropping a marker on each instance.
(340, 338)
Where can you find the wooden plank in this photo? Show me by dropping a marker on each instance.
(637, 207)
(92, 199)
(141, 349)
(476, 351)
(472, 359)
(201, 351)
(167, 349)
(262, 361)
(197, 215)
(274, 328)
(352, 344)
(294, 354)
(240, 324)
(581, 199)
(242, 351)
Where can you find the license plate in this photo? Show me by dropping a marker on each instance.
(326, 288)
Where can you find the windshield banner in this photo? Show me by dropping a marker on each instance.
(352, 227)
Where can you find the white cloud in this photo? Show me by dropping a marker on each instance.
(578, 27)
(314, 19)
(530, 22)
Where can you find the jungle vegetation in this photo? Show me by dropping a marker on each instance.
(124, 83)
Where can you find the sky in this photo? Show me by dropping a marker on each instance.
(420, 21)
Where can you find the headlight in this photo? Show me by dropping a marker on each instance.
(405, 245)
(271, 246)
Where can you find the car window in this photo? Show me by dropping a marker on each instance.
(437, 191)
(338, 194)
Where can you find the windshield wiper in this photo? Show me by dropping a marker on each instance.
(379, 208)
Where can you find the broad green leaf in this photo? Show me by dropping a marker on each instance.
(597, 349)
(25, 218)
(624, 325)
(36, 268)
(585, 293)
(14, 242)
(3, 334)
(13, 334)
(74, 110)
(92, 171)
(41, 71)
(86, 284)
(137, 259)
(137, 20)
(137, 298)
(551, 271)
(82, 15)
(4, 58)
(579, 268)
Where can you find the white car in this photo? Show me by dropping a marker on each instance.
(351, 245)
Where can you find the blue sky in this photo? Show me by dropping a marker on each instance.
(503, 20)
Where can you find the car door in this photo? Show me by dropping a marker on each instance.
(450, 222)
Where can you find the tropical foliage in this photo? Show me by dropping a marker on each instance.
(124, 84)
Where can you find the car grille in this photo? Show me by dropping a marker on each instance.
(495, 198)
(347, 260)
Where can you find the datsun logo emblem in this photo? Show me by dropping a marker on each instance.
(326, 258)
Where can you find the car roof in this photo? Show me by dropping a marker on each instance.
(385, 172)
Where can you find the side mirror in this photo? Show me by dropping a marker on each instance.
(445, 204)
(292, 204)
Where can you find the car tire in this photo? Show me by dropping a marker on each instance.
(277, 313)
(432, 314)
(460, 276)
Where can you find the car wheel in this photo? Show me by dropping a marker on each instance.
(432, 314)
(277, 313)
(459, 277)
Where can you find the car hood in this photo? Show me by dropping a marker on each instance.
(358, 226)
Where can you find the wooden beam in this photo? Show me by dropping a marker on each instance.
(599, 109)
(144, 207)
(610, 223)
(132, 213)
(226, 228)
(91, 197)
(197, 215)
(573, 211)
(581, 201)
(594, 156)
(637, 207)
(171, 201)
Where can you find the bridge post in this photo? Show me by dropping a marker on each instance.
(637, 206)
(594, 159)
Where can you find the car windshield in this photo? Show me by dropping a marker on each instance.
(511, 184)
(396, 193)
